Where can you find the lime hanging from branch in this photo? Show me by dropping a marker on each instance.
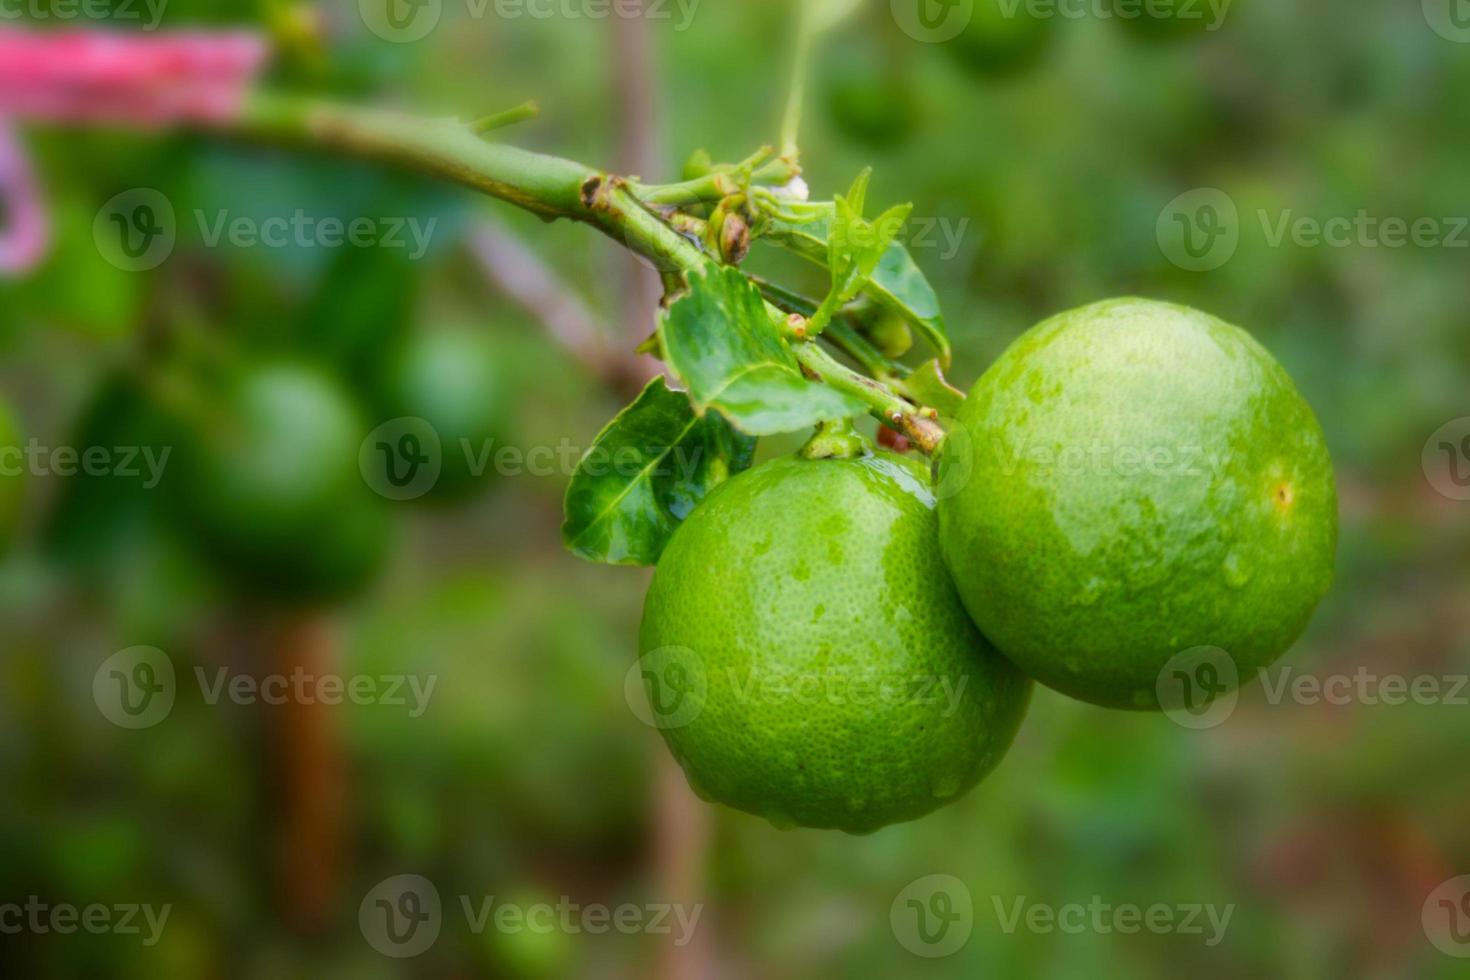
(1130, 481)
(807, 658)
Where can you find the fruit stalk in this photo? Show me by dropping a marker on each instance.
(919, 424)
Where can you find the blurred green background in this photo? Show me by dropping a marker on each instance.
(1042, 161)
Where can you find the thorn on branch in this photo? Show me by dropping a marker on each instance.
(521, 113)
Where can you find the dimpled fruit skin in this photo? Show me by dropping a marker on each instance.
(1131, 480)
(804, 583)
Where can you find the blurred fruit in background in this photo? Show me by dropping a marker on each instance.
(456, 378)
(269, 485)
(869, 95)
(1004, 38)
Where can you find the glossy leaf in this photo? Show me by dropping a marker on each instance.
(643, 475)
(720, 339)
(897, 283)
(855, 245)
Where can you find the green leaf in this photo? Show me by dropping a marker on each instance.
(926, 386)
(643, 475)
(856, 246)
(720, 340)
(896, 283)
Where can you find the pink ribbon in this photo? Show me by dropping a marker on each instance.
(138, 80)
(141, 81)
(27, 232)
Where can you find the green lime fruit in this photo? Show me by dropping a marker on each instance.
(869, 103)
(454, 378)
(270, 487)
(1170, 20)
(1002, 39)
(1129, 482)
(806, 656)
(12, 475)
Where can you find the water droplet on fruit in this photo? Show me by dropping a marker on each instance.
(1237, 571)
(819, 612)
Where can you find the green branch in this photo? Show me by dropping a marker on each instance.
(448, 149)
(553, 188)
